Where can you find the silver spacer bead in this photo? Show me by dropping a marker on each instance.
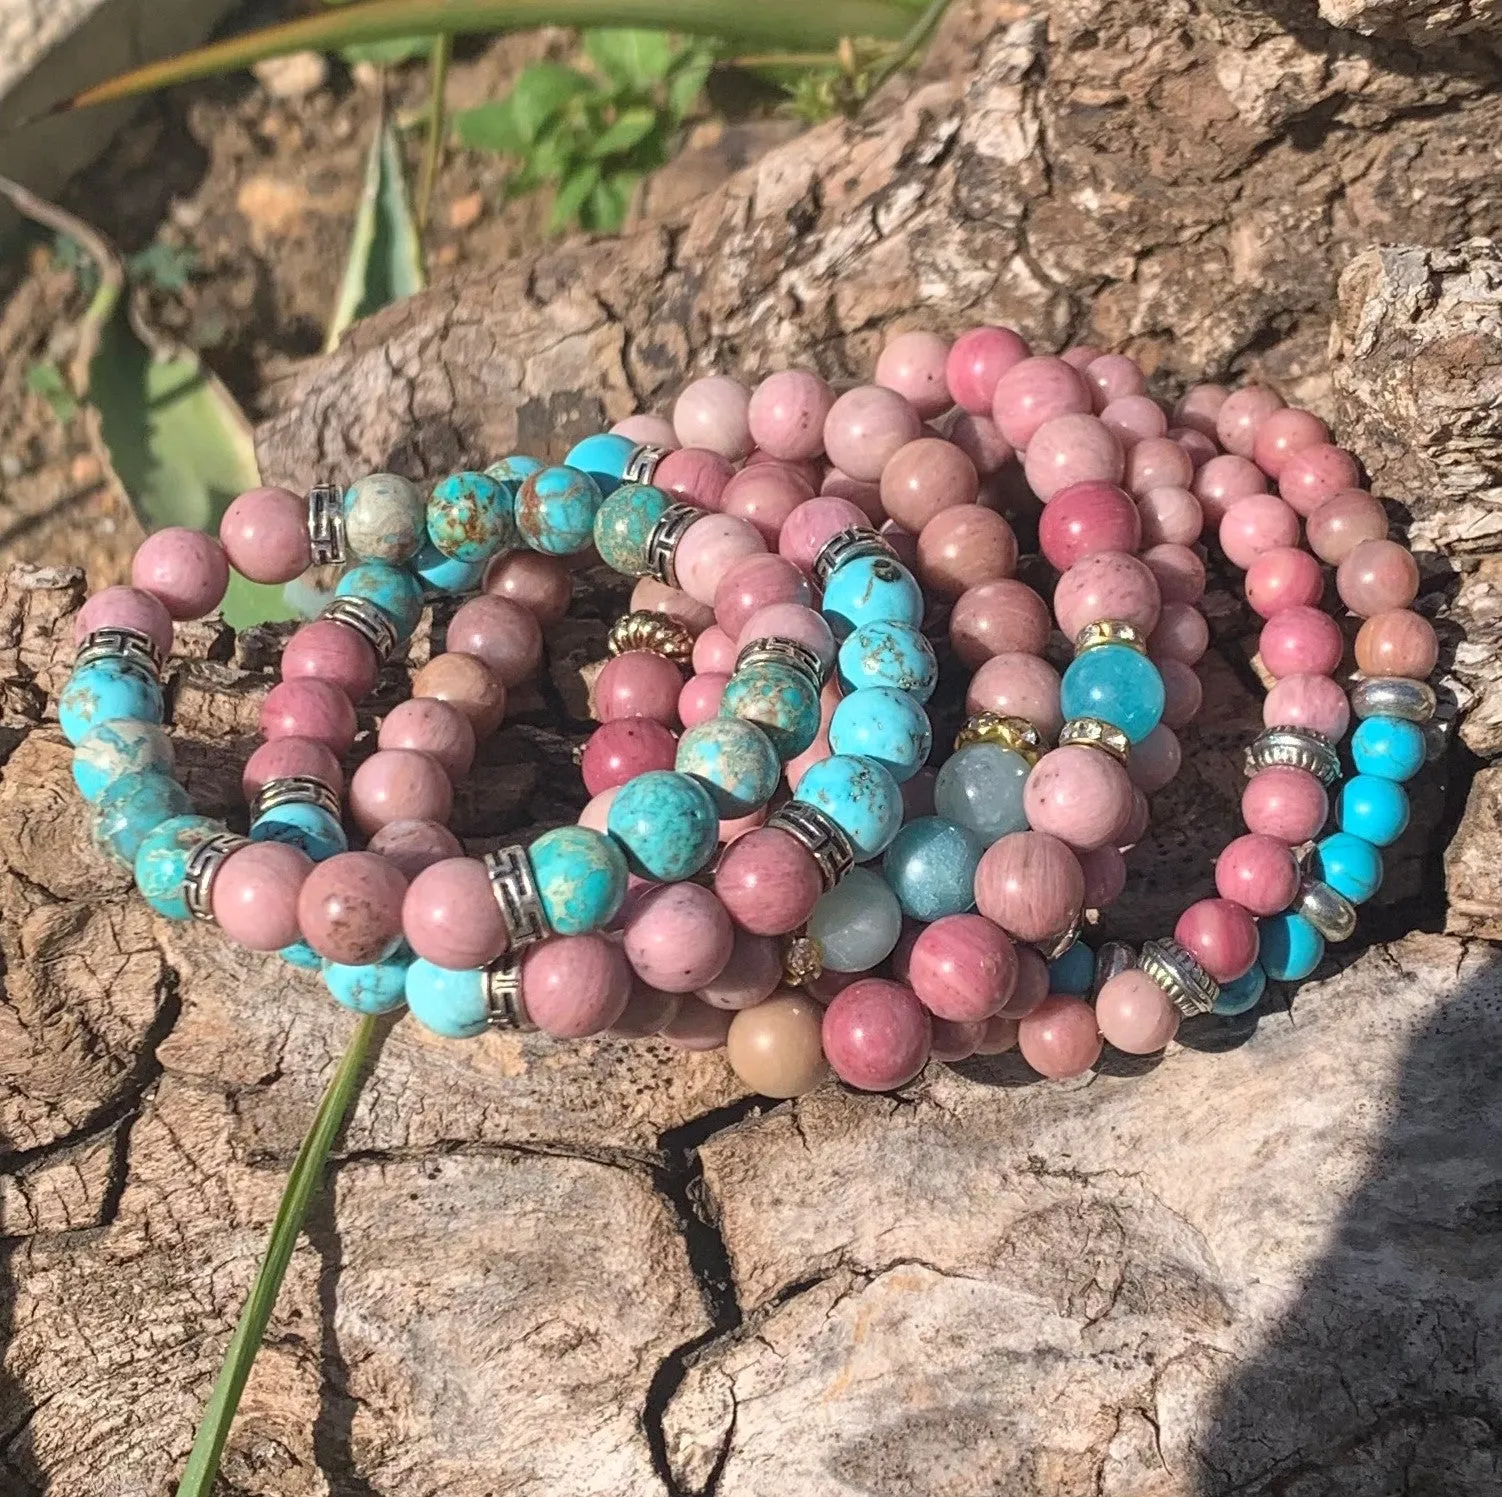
(295, 790)
(662, 544)
(824, 838)
(1190, 988)
(1393, 696)
(1113, 958)
(1051, 948)
(201, 868)
(1294, 748)
(1326, 909)
(641, 466)
(515, 889)
(503, 994)
(373, 626)
(129, 646)
(858, 540)
(783, 652)
(326, 525)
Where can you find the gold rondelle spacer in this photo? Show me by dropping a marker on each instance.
(1094, 732)
(656, 633)
(1015, 733)
(1110, 632)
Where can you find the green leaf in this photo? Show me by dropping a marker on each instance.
(168, 267)
(389, 52)
(631, 126)
(610, 201)
(688, 80)
(540, 92)
(572, 195)
(550, 159)
(490, 127)
(44, 378)
(630, 59)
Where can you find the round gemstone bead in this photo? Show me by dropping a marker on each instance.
(376, 988)
(471, 517)
(543, 585)
(304, 826)
(394, 590)
(889, 654)
(1243, 993)
(451, 1003)
(442, 574)
(185, 569)
(963, 968)
(255, 893)
(1059, 1039)
(1073, 971)
(1220, 935)
(1031, 885)
(431, 727)
(869, 590)
(573, 986)
(556, 509)
(1260, 873)
(734, 761)
(450, 914)
(264, 533)
(678, 938)
(624, 524)
(859, 796)
(931, 865)
(1117, 685)
(768, 881)
(125, 608)
(581, 878)
(666, 824)
(465, 682)
(1372, 808)
(1349, 864)
(499, 632)
(877, 1035)
(981, 787)
(775, 1048)
(856, 923)
(162, 858)
(1290, 948)
(385, 518)
(310, 710)
(350, 908)
(415, 845)
(619, 751)
(1080, 795)
(326, 650)
(132, 808)
(780, 700)
(300, 954)
(121, 747)
(1388, 747)
(399, 785)
(1135, 1014)
(1285, 803)
(881, 723)
(752, 973)
(603, 456)
(107, 691)
(513, 470)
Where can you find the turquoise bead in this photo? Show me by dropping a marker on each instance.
(859, 796)
(442, 574)
(1290, 948)
(377, 988)
(116, 748)
(1244, 992)
(780, 700)
(624, 524)
(385, 518)
(980, 786)
(1117, 685)
(870, 590)
(300, 954)
(307, 827)
(513, 470)
(581, 878)
(162, 858)
(105, 692)
(556, 509)
(394, 590)
(603, 456)
(889, 654)
(305, 597)
(1374, 809)
(930, 867)
(857, 922)
(734, 761)
(449, 1003)
(471, 517)
(880, 723)
(134, 807)
(1388, 747)
(1350, 865)
(666, 824)
(1073, 971)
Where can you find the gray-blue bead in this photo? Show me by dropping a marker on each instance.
(134, 807)
(376, 988)
(162, 859)
(307, 827)
(118, 748)
(385, 518)
(394, 590)
(931, 865)
(856, 923)
(980, 787)
(107, 691)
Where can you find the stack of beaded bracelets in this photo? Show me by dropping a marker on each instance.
(695, 898)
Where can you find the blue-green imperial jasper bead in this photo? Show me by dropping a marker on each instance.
(470, 517)
(394, 590)
(1374, 809)
(624, 524)
(930, 867)
(513, 470)
(162, 858)
(880, 723)
(734, 761)
(1073, 972)
(859, 796)
(1116, 684)
(300, 954)
(1242, 993)
(603, 456)
(117, 748)
(980, 786)
(453, 1004)
(303, 826)
(442, 574)
(1350, 865)
(889, 654)
(1289, 947)
(385, 518)
(857, 922)
(134, 807)
(871, 590)
(377, 988)
(1388, 747)
(581, 878)
(780, 700)
(107, 691)
(665, 823)
(556, 509)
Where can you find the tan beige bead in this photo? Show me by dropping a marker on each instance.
(775, 1047)
(465, 682)
(1397, 643)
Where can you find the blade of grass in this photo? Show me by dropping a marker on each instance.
(432, 149)
(916, 39)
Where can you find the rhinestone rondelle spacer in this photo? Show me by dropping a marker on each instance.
(128, 646)
(844, 545)
(1326, 909)
(662, 544)
(1096, 733)
(641, 466)
(1294, 748)
(826, 842)
(326, 525)
(802, 961)
(1190, 988)
(368, 621)
(515, 889)
(1394, 696)
(1113, 958)
(1110, 632)
(202, 866)
(503, 994)
(656, 633)
(1015, 733)
(294, 790)
(782, 652)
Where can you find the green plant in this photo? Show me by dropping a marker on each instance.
(167, 267)
(45, 377)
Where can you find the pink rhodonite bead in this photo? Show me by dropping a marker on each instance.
(1255, 524)
(1113, 376)
(1300, 642)
(326, 650)
(1313, 702)
(1105, 876)
(622, 750)
(1072, 449)
(1283, 578)
(1240, 416)
(350, 908)
(977, 362)
(699, 700)
(185, 568)
(1282, 434)
(255, 894)
(1287, 804)
(574, 986)
(877, 1035)
(694, 475)
(501, 633)
(913, 364)
(1135, 1014)
(1159, 463)
(126, 608)
(1315, 474)
(765, 495)
(1182, 634)
(1221, 936)
(654, 430)
(714, 650)
(412, 846)
(996, 618)
(264, 533)
(924, 478)
(543, 585)
(678, 937)
(1199, 406)
(1153, 764)
(768, 882)
(1342, 522)
(281, 758)
(787, 412)
(753, 972)
(399, 785)
(791, 621)
(638, 683)
(1182, 693)
(1179, 572)
(1078, 795)
(712, 413)
(1059, 1038)
(1018, 685)
(1035, 391)
(1030, 884)
(1377, 577)
(1134, 419)
(980, 439)
(433, 727)
(708, 550)
(962, 967)
(1259, 873)
(1222, 481)
(309, 709)
(1108, 585)
(865, 428)
(962, 547)
(1087, 517)
(752, 583)
(814, 524)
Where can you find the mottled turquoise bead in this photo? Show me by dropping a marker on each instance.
(134, 807)
(930, 867)
(394, 590)
(870, 590)
(556, 509)
(581, 878)
(116, 748)
(300, 954)
(859, 796)
(857, 922)
(665, 823)
(780, 700)
(1374, 809)
(450, 1003)
(881, 723)
(1290, 947)
(442, 574)
(304, 826)
(377, 988)
(624, 524)
(1388, 747)
(980, 786)
(1073, 971)
(734, 761)
(162, 859)
(889, 654)
(1350, 865)
(1241, 993)
(1116, 684)
(471, 517)
(513, 470)
(385, 518)
(603, 456)
(107, 691)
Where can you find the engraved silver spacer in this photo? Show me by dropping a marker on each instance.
(515, 889)
(503, 994)
(1393, 696)
(1051, 948)
(368, 621)
(128, 646)
(295, 790)
(823, 837)
(1096, 733)
(1113, 958)
(1190, 988)
(783, 652)
(201, 868)
(662, 544)
(641, 466)
(858, 540)
(1294, 748)
(326, 525)
(1326, 909)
